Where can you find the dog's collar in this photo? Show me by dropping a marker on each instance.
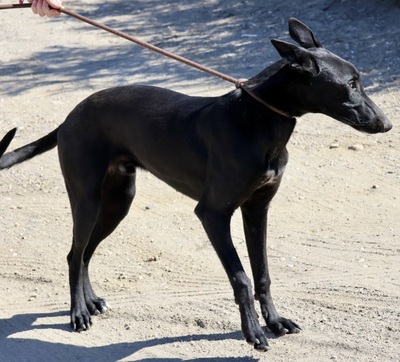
(242, 86)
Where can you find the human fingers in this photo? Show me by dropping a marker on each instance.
(34, 6)
(46, 7)
(55, 4)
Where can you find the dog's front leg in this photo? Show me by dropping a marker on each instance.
(217, 225)
(254, 214)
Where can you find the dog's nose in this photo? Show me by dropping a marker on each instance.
(385, 125)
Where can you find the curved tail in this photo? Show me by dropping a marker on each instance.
(27, 152)
(5, 142)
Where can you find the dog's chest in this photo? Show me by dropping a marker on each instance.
(270, 177)
(273, 170)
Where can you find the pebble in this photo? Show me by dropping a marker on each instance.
(200, 323)
(152, 258)
(334, 145)
(32, 297)
(356, 147)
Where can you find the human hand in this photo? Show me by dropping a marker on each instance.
(45, 7)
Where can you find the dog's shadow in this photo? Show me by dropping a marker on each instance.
(16, 348)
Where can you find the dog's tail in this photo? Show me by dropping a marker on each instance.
(27, 152)
(5, 142)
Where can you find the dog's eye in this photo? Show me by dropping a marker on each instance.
(353, 84)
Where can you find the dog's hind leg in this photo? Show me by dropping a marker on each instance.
(85, 211)
(97, 208)
(117, 195)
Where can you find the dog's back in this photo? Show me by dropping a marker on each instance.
(165, 132)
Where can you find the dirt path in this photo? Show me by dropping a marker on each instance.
(334, 227)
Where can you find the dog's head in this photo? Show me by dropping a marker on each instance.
(330, 85)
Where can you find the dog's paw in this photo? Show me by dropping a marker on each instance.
(97, 306)
(258, 341)
(256, 337)
(282, 326)
(80, 320)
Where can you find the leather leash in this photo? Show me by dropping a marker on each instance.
(237, 82)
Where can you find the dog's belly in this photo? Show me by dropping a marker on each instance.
(189, 186)
(184, 172)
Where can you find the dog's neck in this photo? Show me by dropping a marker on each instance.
(263, 102)
(274, 87)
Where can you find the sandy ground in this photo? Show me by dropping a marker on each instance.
(334, 226)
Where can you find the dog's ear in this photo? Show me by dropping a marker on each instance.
(299, 59)
(302, 34)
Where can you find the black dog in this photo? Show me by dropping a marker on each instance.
(226, 152)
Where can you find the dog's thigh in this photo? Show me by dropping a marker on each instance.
(117, 195)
